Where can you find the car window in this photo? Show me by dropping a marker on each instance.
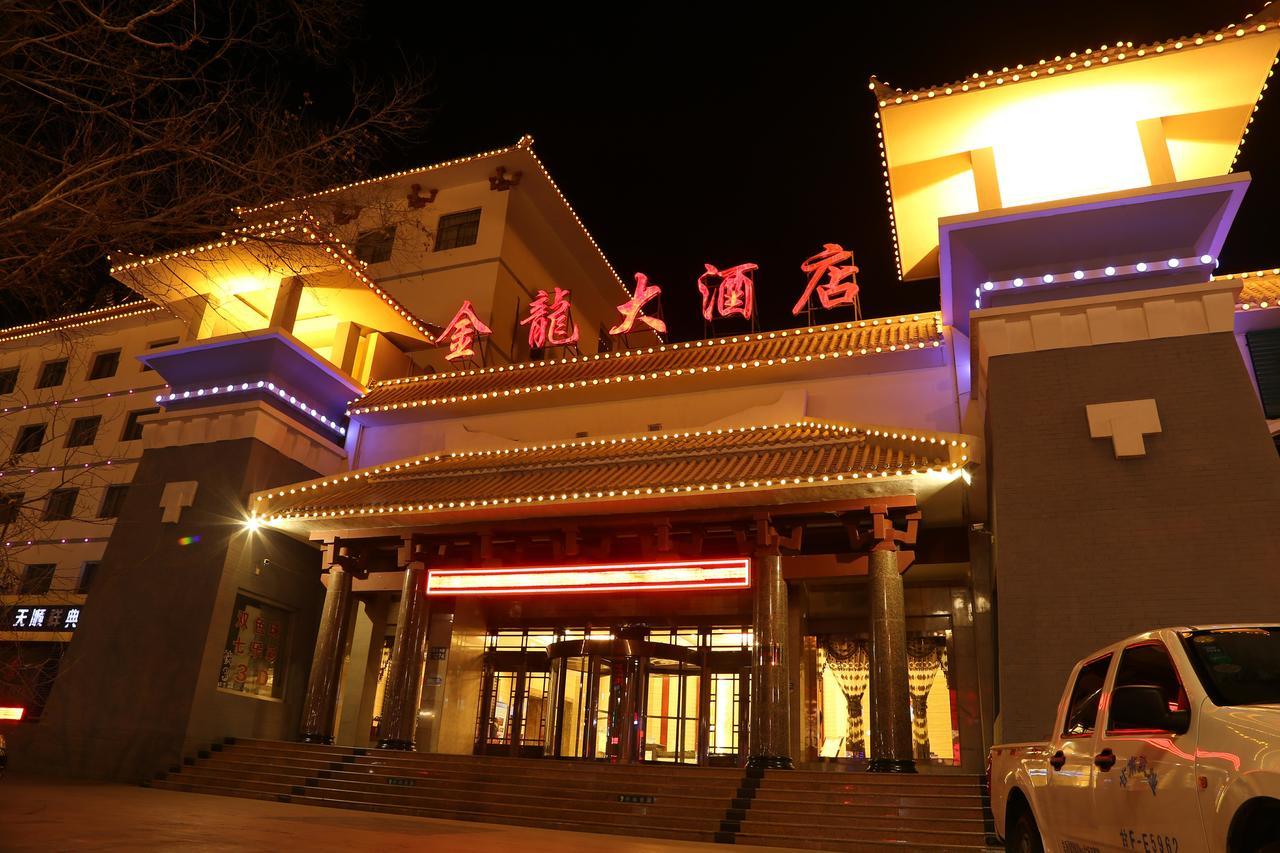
(1082, 707)
(1149, 665)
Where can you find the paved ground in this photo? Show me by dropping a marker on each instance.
(45, 815)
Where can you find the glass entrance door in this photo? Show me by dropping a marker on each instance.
(513, 708)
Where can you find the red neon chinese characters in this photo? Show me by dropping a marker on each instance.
(462, 332)
(841, 284)
(734, 293)
(550, 321)
(632, 309)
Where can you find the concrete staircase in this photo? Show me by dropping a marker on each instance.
(797, 809)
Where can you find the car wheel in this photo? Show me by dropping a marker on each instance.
(1024, 835)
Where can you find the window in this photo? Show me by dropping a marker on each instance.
(10, 507)
(604, 343)
(1148, 665)
(105, 365)
(53, 373)
(374, 247)
(87, 573)
(61, 505)
(133, 429)
(112, 501)
(8, 380)
(1264, 352)
(167, 342)
(253, 659)
(30, 439)
(1082, 708)
(1237, 665)
(83, 431)
(457, 229)
(37, 578)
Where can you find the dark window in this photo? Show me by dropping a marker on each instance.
(105, 364)
(604, 341)
(53, 373)
(374, 247)
(133, 429)
(1264, 352)
(10, 506)
(457, 229)
(1148, 665)
(62, 504)
(8, 380)
(37, 578)
(83, 431)
(30, 439)
(1082, 709)
(112, 500)
(87, 573)
(1237, 666)
(167, 342)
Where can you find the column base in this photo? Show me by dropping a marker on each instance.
(891, 765)
(310, 737)
(770, 762)
(395, 743)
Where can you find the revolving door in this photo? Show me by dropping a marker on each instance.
(602, 690)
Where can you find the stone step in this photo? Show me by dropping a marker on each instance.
(586, 823)
(860, 845)
(817, 810)
(544, 765)
(460, 776)
(701, 808)
(902, 835)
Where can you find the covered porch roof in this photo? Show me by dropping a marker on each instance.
(805, 462)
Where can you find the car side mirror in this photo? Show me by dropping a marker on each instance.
(1144, 707)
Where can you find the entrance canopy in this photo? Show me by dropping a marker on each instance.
(750, 466)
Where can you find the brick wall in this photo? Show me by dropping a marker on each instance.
(1090, 548)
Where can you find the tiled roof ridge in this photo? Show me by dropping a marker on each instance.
(674, 446)
(919, 331)
(313, 230)
(525, 141)
(1259, 288)
(388, 472)
(1120, 51)
(80, 318)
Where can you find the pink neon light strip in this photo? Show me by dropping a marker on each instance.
(613, 577)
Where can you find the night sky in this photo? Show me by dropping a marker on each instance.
(750, 137)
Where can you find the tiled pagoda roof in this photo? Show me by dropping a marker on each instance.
(736, 352)
(788, 460)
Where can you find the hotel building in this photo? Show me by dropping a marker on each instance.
(880, 540)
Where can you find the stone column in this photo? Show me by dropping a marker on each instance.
(770, 733)
(326, 663)
(890, 697)
(403, 688)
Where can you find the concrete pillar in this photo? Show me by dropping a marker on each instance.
(404, 671)
(770, 697)
(890, 697)
(326, 662)
(284, 313)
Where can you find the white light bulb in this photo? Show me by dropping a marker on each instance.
(1141, 267)
(1173, 262)
(1048, 278)
(1078, 274)
(1206, 259)
(1110, 270)
(1017, 282)
(988, 285)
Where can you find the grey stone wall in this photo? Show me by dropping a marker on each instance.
(1090, 548)
(138, 686)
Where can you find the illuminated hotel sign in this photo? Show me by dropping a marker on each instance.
(12, 713)
(41, 617)
(610, 577)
